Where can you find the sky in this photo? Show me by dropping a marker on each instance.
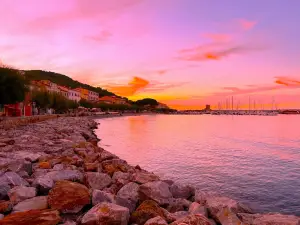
(184, 53)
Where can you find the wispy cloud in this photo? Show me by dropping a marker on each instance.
(100, 37)
(218, 37)
(246, 24)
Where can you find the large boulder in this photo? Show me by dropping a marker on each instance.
(128, 196)
(39, 202)
(182, 191)
(120, 178)
(68, 197)
(178, 204)
(157, 191)
(21, 193)
(102, 196)
(156, 221)
(142, 177)
(70, 175)
(196, 208)
(106, 214)
(43, 184)
(202, 196)
(97, 180)
(223, 209)
(32, 217)
(192, 220)
(268, 219)
(114, 165)
(147, 210)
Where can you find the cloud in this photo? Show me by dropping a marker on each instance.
(217, 37)
(100, 37)
(287, 81)
(247, 24)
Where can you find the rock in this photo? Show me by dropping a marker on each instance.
(1, 216)
(58, 167)
(17, 165)
(44, 165)
(114, 165)
(90, 167)
(69, 223)
(14, 179)
(156, 221)
(43, 184)
(102, 196)
(202, 196)
(32, 217)
(144, 177)
(178, 204)
(128, 196)
(68, 197)
(70, 175)
(2, 145)
(97, 180)
(192, 220)
(147, 210)
(268, 219)
(157, 191)
(182, 191)
(4, 189)
(8, 141)
(27, 155)
(196, 208)
(39, 202)
(21, 193)
(177, 215)
(5, 206)
(106, 214)
(105, 155)
(120, 178)
(225, 209)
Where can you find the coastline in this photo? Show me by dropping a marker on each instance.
(41, 163)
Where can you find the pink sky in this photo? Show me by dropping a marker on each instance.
(186, 53)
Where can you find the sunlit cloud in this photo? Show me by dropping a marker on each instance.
(218, 37)
(247, 24)
(100, 37)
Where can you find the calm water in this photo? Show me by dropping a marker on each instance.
(253, 159)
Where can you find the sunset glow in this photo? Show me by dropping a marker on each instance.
(184, 53)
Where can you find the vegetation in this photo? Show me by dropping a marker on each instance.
(13, 86)
(146, 102)
(63, 80)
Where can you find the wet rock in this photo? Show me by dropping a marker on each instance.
(182, 191)
(178, 204)
(192, 220)
(97, 180)
(202, 196)
(5, 206)
(43, 184)
(21, 193)
(128, 196)
(156, 221)
(268, 219)
(144, 177)
(196, 208)
(71, 175)
(32, 217)
(147, 210)
(105, 155)
(157, 191)
(105, 214)
(102, 196)
(114, 165)
(68, 197)
(225, 209)
(14, 179)
(39, 202)
(4, 189)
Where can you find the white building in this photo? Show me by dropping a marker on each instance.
(93, 96)
(74, 95)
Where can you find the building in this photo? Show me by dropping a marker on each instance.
(74, 95)
(64, 91)
(84, 93)
(112, 100)
(47, 85)
(93, 96)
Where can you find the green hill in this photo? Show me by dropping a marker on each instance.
(63, 80)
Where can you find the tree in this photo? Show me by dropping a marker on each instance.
(146, 101)
(13, 85)
(86, 104)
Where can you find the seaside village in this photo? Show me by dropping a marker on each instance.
(29, 108)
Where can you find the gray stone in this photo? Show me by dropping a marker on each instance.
(39, 202)
(144, 177)
(97, 180)
(196, 208)
(157, 191)
(182, 191)
(43, 184)
(4, 189)
(14, 179)
(102, 196)
(268, 219)
(71, 175)
(128, 196)
(21, 193)
(106, 213)
(156, 221)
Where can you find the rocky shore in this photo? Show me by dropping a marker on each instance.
(53, 172)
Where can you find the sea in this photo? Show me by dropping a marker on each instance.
(253, 159)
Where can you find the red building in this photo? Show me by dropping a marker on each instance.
(19, 109)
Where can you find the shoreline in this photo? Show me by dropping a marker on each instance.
(42, 163)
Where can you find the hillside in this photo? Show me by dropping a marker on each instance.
(63, 80)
